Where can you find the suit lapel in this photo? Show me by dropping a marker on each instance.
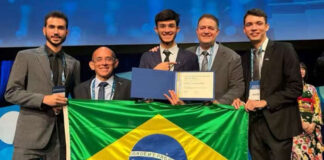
(266, 59)
(69, 67)
(117, 88)
(44, 63)
(218, 59)
(178, 60)
(156, 57)
(87, 88)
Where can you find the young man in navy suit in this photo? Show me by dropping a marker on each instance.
(169, 56)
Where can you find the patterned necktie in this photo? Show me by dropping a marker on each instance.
(167, 54)
(256, 64)
(101, 93)
(204, 63)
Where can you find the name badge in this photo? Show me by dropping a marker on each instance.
(254, 91)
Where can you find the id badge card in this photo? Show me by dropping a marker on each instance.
(254, 91)
(58, 90)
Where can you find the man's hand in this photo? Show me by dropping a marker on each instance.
(154, 49)
(173, 98)
(55, 100)
(252, 105)
(215, 101)
(164, 66)
(237, 103)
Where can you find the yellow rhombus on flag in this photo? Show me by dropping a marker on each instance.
(122, 148)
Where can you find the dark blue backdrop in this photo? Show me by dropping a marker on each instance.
(131, 21)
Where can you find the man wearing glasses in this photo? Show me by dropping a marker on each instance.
(105, 85)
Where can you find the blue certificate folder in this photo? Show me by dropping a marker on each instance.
(152, 84)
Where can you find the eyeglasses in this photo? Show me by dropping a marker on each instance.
(105, 59)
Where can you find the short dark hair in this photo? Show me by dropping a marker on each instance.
(256, 12)
(56, 14)
(303, 65)
(166, 15)
(210, 16)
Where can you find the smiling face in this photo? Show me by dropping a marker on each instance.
(167, 31)
(103, 63)
(207, 32)
(55, 32)
(255, 28)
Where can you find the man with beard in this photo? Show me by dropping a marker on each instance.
(105, 85)
(169, 56)
(36, 76)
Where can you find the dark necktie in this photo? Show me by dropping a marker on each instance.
(204, 63)
(101, 93)
(256, 64)
(167, 55)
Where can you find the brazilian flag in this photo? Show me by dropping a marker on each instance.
(128, 130)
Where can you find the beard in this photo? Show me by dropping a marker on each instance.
(169, 42)
(48, 38)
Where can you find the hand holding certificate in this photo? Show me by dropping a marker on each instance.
(147, 83)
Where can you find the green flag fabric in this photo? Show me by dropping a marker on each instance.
(127, 130)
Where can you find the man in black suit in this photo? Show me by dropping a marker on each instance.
(105, 85)
(169, 56)
(273, 83)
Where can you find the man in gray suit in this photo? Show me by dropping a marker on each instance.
(35, 77)
(215, 57)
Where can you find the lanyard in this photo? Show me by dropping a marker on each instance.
(63, 64)
(93, 83)
(211, 52)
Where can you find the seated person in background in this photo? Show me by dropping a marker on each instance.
(105, 85)
(169, 56)
(308, 145)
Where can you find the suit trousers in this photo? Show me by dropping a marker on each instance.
(54, 150)
(262, 144)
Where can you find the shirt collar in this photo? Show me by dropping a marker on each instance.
(110, 81)
(210, 50)
(173, 49)
(51, 53)
(264, 44)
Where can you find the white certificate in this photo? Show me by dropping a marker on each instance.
(195, 85)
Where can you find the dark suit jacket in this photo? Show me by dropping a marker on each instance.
(186, 61)
(29, 81)
(122, 90)
(227, 67)
(280, 85)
